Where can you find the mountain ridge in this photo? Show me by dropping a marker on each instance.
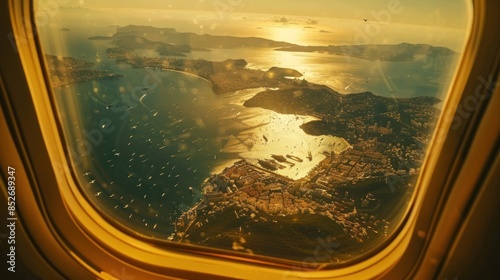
(170, 42)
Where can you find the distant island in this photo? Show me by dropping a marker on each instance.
(100, 38)
(173, 37)
(169, 42)
(395, 53)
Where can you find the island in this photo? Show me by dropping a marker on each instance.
(198, 41)
(170, 42)
(100, 37)
(395, 53)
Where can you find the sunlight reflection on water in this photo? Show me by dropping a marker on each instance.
(279, 134)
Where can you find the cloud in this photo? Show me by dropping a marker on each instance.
(281, 19)
(312, 21)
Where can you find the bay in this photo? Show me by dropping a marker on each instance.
(143, 145)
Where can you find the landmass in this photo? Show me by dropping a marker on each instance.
(64, 71)
(349, 198)
(100, 38)
(250, 209)
(132, 42)
(202, 41)
(170, 42)
(225, 76)
(396, 53)
(354, 116)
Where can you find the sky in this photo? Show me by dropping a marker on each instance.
(443, 13)
(304, 22)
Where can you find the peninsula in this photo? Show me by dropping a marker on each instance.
(347, 199)
(225, 76)
(67, 70)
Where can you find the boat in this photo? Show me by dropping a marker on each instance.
(294, 158)
(279, 158)
(267, 164)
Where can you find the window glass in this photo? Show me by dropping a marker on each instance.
(286, 129)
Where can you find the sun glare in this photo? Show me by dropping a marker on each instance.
(291, 34)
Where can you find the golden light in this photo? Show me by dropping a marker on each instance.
(290, 34)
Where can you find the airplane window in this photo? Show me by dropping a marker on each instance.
(287, 129)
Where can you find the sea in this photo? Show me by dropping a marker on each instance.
(142, 146)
